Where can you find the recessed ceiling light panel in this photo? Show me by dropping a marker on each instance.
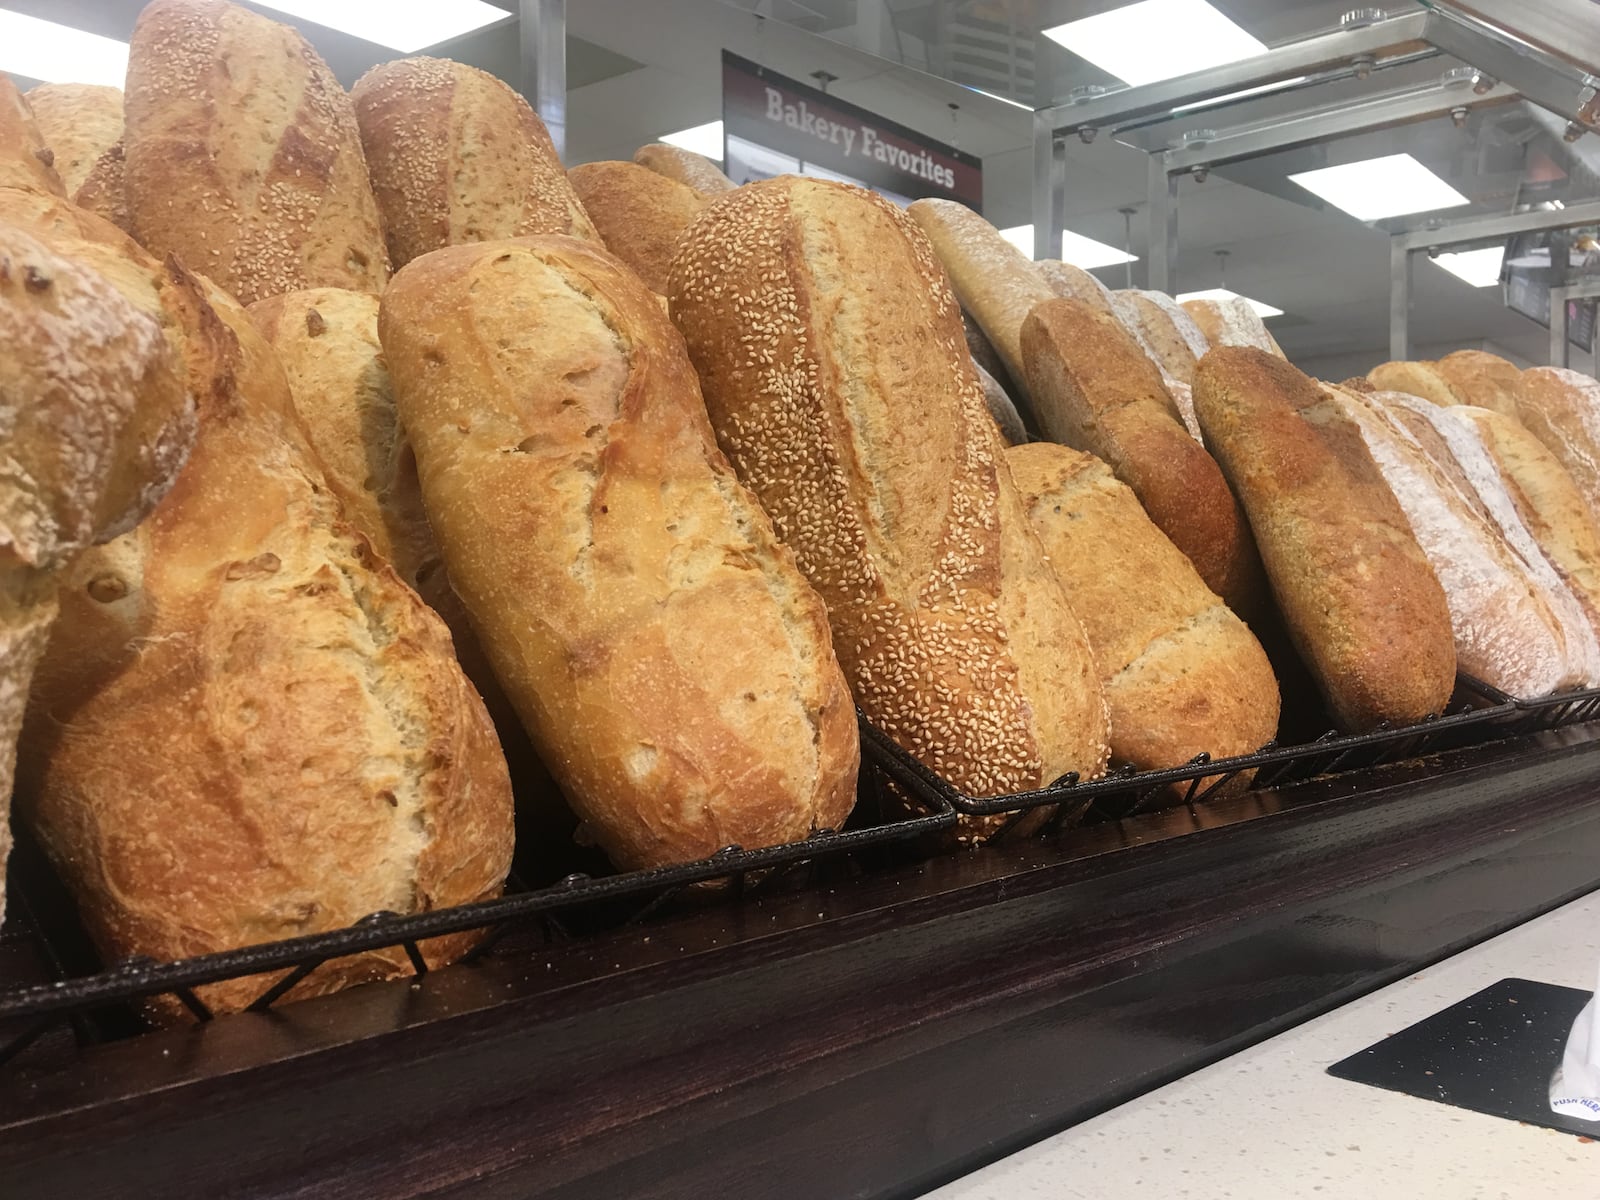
(702, 139)
(1480, 268)
(58, 53)
(1157, 39)
(403, 25)
(1076, 249)
(1262, 309)
(1375, 188)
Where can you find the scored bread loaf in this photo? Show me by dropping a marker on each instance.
(1169, 334)
(1361, 603)
(831, 354)
(1182, 674)
(245, 728)
(1230, 321)
(242, 155)
(25, 161)
(685, 167)
(1095, 390)
(78, 122)
(640, 214)
(457, 156)
(97, 421)
(1074, 283)
(668, 659)
(1561, 408)
(104, 191)
(1483, 379)
(1421, 379)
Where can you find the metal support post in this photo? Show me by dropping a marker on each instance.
(1161, 272)
(1399, 300)
(542, 34)
(1558, 327)
(1049, 190)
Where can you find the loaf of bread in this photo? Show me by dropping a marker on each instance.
(1231, 322)
(104, 191)
(1169, 334)
(1561, 408)
(1095, 390)
(685, 167)
(670, 662)
(457, 156)
(1001, 409)
(25, 161)
(78, 122)
(1182, 674)
(244, 727)
(1361, 603)
(1483, 379)
(1508, 632)
(640, 214)
(97, 421)
(831, 353)
(1359, 384)
(1074, 283)
(1421, 379)
(242, 155)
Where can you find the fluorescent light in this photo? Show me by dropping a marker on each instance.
(1157, 39)
(999, 97)
(403, 25)
(702, 139)
(1245, 94)
(59, 54)
(1262, 309)
(1076, 249)
(1480, 268)
(1375, 188)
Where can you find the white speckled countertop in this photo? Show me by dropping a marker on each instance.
(1269, 1123)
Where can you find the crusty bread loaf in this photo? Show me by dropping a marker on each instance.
(1182, 674)
(685, 167)
(25, 161)
(242, 155)
(105, 192)
(1095, 390)
(1359, 384)
(1482, 379)
(457, 156)
(1012, 431)
(97, 421)
(1361, 603)
(667, 657)
(245, 728)
(1074, 283)
(831, 353)
(1169, 334)
(78, 122)
(1561, 408)
(1231, 322)
(1507, 629)
(640, 214)
(1421, 379)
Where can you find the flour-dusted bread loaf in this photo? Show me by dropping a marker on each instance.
(242, 154)
(25, 161)
(671, 663)
(244, 727)
(1561, 408)
(1006, 418)
(1169, 334)
(685, 167)
(104, 190)
(640, 214)
(831, 353)
(78, 122)
(1095, 390)
(1482, 379)
(1074, 283)
(1182, 674)
(1362, 605)
(457, 156)
(1508, 631)
(96, 420)
(1231, 321)
(1421, 379)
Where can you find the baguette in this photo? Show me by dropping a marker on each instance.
(1169, 334)
(667, 658)
(831, 352)
(1231, 322)
(1421, 379)
(25, 161)
(640, 214)
(1094, 390)
(1482, 379)
(1361, 603)
(1562, 409)
(242, 155)
(685, 167)
(78, 122)
(1182, 674)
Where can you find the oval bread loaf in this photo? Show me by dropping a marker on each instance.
(668, 659)
(1561, 408)
(1074, 283)
(25, 161)
(1230, 321)
(685, 167)
(78, 122)
(1423, 380)
(640, 214)
(1483, 379)
(1169, 334)
(105, 192)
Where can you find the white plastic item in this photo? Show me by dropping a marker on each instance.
(1575, 1086)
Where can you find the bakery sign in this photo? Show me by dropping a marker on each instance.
(821, 131)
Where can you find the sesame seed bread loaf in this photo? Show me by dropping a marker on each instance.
(457, 156)
(685, 167)
(242, 155)
(104, 191)
(1484, 380)
(831, 354)
(78, 122)
(1421, 379)
(1169, 334)
(1361, 603)
(1561, 408)
(1230, 322)
(666, 656)
(1095, 390)
(245, 728)
(97, 420)
(640, 214)
(25, 161)
(1182, 674)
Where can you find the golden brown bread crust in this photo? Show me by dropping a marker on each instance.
(78, 122)
(1231, 322)
(242, 154)
(25, 161)
(1361, 603)
(1482, 379)
(1421, 379)
(685, 167)
(244, 728)
(1561, 408)
(1182, 674)
(640, 214)
(1359, 384)
(105, 191)
(1169, 333)
(668, 659)
(1095, 390)
(1073, 283)
(457, 156)
(834, 368)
